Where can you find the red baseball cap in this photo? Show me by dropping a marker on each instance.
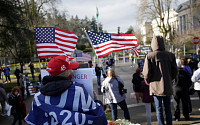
(59, 64)
(138, 70)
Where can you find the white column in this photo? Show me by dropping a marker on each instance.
(186, 23)
(180, 25)
(182, 22)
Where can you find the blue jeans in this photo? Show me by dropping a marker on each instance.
(123, 106)
(17, 117)
(3, 106)
(99, 80)
(159, 109)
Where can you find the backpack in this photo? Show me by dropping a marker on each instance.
(121, 88)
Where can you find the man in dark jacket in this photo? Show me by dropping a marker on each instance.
(159, 70)
(3, 98)
(32, 70)
(98, 74)
(61, 101)
(181, 87)
(17, 72)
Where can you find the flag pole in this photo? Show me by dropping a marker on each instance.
(40, 70)
(97, 15)
(83, 29)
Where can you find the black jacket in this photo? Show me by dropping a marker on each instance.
(137, 79)
(55, 85)
(182, 81)
(98, 71)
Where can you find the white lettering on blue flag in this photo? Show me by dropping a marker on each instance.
(74, 106)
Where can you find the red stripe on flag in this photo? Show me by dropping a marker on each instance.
(63, 45)
(73, 37)
(67, 41)
(110, 52)
(50, 52)
(114, 43)
(123, 39)
(41, 47)
(65, 31)
(113, 34)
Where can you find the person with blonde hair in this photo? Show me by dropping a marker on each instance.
(110, 87)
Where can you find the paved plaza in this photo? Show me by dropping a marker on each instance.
(137, 111)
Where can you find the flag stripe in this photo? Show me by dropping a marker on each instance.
(114, 34)
(51, 52)
(113, 45)
(64, 39)
(136, 50)
(60, 44)
(124, 39)
(66, 32)
(106, 53)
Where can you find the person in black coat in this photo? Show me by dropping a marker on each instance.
(16, 102)
(181, 92)
(137, 79)
(17, 72)
(98, 74)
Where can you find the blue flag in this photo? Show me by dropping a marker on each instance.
(73, 107)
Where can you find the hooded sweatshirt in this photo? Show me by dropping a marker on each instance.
(160, 68)
(60, 101)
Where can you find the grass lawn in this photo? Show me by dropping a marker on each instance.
(108, 115)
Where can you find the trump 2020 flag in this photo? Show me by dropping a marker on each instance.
(51, 42)
(73, 107)
(106, 43)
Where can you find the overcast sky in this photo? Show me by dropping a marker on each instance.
(112, 13)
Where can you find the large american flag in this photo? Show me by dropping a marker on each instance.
(106, 43)
(52, 42)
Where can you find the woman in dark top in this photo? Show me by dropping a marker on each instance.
(181, 92)
(137, 79)
(17, 105)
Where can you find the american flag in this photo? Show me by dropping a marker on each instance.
(84, 57)
(136, 50)
(106, 43)
(52, 42)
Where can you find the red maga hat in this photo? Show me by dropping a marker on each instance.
(138, 70)
(59, 64)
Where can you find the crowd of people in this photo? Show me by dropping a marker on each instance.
(14, 98)
(157, 80)
(5, 71)
(160, 78)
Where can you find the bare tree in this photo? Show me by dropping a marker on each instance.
(158, 10)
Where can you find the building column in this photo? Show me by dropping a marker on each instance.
(180, 25)
(182, 22)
